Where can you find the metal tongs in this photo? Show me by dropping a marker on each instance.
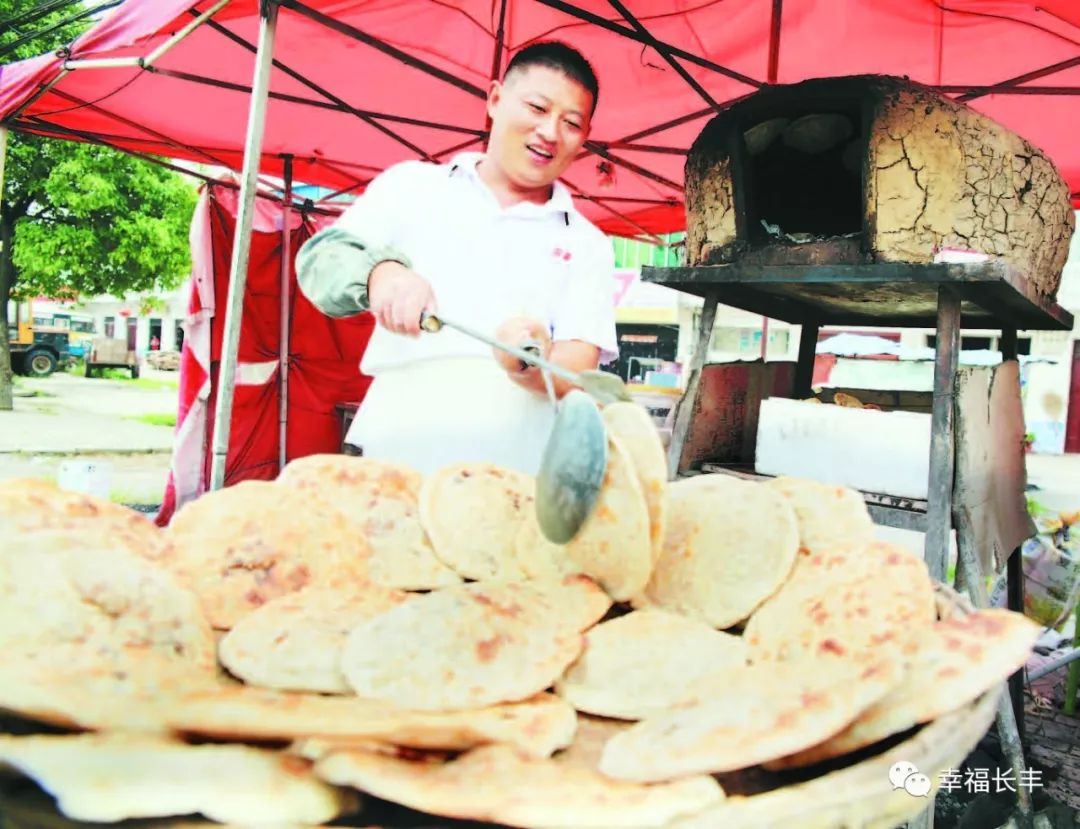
(575, 458)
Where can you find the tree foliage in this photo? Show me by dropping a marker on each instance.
(91, 220)
(80, 219)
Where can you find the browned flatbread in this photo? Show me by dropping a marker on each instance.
(537, 726)
(34, 504)
(848, 600)
(380, 500)
(294, 642)
(495, 783)
(957, 661)
(242, 546)
(461, 647)
(748, 716)
(110, 777)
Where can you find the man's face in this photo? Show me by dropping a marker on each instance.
(539, 122)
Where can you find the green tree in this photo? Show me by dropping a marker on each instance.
(80, 219)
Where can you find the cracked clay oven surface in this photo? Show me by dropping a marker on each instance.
(871, 169)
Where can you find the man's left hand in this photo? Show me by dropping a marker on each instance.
(520, 331)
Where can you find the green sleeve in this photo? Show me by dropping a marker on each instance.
(332, 269)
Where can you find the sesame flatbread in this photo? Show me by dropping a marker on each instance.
(242, 546)
(637, 433)
(111, 777)
(537, 726)
(851, 600)
(828, 515)
(35, 504)
(957, 660)
(497, 784)
(574, 603)
(645, 662)
(380, 500)
(751, 715)
(460, 647)
(613, 545)
(294, 642)
(472, 513)
(539, 558)
(729, 545)
(80, 604)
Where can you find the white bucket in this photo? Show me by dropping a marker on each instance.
(91, 477)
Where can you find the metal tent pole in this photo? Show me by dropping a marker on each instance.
(260, 86)
(286, 316)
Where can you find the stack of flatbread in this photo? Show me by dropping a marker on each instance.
(356, 643)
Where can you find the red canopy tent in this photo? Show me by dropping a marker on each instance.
(356, 85)
(278, 413)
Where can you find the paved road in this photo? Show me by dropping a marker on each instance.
(60, 417)
(68, 414)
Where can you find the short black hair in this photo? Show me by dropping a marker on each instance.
(557, 55)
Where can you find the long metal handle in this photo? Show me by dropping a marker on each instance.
(432, 323)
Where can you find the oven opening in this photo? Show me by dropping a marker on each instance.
(804, 177)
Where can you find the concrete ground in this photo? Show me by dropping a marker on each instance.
(122, 424)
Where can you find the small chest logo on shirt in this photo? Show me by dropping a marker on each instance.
(564, 255)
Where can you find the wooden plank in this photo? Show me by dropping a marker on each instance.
(895, 294)
(1015, 576)
(970, 574)
(1008, 344)
(724, 421)
(685, 411)
(768, 304)
(942, 439)
(899, 519)
(804, 367)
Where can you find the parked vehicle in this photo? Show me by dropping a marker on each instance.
(106, 352)
(36, 349)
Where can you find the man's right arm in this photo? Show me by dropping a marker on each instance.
(334, 266)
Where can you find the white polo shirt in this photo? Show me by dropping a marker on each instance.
(485, 263)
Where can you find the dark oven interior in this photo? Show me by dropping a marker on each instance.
(802, 177)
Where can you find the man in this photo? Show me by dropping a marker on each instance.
(492, 240)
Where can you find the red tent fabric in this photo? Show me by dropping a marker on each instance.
(362, 84)
(323, 364)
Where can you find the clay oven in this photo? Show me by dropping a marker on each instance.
(871, 169)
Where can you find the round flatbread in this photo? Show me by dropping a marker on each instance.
(848, 601)
(635, 430)
(495, 783)
(380, 501)
(645, 662)
(828, 515)
(537, 726)
(613, 545)
(60, 591)
(242, 546)
(729, 545)
(294, 642)
(957, 660)
(112, 777)
(460, 647)
(34, 504)
(748, 716)
(472, 513)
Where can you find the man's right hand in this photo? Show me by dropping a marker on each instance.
(397, 296)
